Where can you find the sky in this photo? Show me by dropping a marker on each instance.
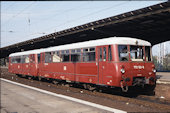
(21, 21)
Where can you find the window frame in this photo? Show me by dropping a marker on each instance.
(149, 54)
(143, 54)
(75, 52)
(86, 51)
(65, 52)
(14, 58)
(58, 54)
(127, 56)
(110, 57)
(45, 60)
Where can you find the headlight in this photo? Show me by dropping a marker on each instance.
(122, 70)
(154, 70)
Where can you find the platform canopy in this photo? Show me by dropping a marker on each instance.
(151, 24)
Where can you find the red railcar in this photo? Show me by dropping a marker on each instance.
(24, 63)
(114, 62)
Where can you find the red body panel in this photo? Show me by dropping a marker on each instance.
(87, 72)
(15, 68)
(33, 65)
(25, 69)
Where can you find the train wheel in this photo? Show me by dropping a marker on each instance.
(39, 78)
(23, 76)
(55, 82)
(29, 77)
(85, 86)
(89, 87)
(19, 75)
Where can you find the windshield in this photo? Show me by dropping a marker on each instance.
(123, 53)
(136, 53)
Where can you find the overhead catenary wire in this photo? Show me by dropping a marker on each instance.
(62, 12)
(76, 19)
(25, 8)
(93, 13)
(101, 10)
(59, 13)
(11, 5)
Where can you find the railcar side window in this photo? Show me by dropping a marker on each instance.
(14, 59)
(65, 57)
(109, 53)
(32, 58)
(18, 59)
(38, 58)
(78, 50)
(56, 56)
(25, 59)
(89, 54)
(22, 59)
(123, 53)
(48, 57)
(76, 55)
(42, 57)
(148, 53)
(100, 51)
(104, 54)
(136, 53)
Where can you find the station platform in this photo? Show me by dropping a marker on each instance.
(163, 77)
(19, 99)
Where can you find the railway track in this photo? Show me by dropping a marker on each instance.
(106, 97)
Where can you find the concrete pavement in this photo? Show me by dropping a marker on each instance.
(163, 77)
(17, 99)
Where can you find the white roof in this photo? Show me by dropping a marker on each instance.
(100, 42)
(91, 43)
(36, 51)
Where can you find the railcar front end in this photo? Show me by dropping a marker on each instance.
(135, 67)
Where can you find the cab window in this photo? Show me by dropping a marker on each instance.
(136, 53)
(148, 53)
(109, 53)
(123, 53)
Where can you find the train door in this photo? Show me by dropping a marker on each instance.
(19, 65)
(25, 65)
(41, 66)
(101, 63)
(33, 65)
(38, 65)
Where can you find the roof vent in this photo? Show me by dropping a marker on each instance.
(136, 42)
